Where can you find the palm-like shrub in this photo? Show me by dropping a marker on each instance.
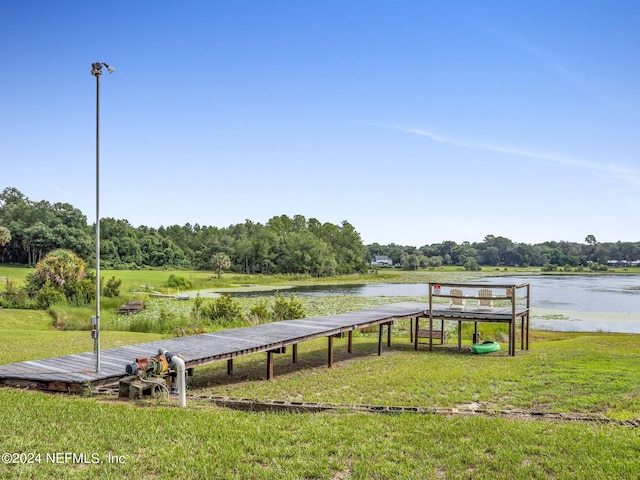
(61, 275)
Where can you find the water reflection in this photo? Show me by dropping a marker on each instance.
(587, 293)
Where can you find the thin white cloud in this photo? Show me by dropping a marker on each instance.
(587, 84)
(630, 176)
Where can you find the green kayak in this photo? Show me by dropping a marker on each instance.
(485, 347)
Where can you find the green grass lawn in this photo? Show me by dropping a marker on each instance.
(563, 372)
(13, 274)
(154, 440)
(29, 335)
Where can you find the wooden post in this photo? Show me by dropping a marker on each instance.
(430, 333)
(269, 365)
(294, 355)
(415, 335)
(512, 331)
(528, 312)
(230, 366)
(380, 339)
(350, 342)
(459, 334)
(330, 351)
(389, 333)
(411, 330)
(528, 287)
(431, 291)
(511, 338)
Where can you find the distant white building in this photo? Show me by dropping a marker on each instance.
(382, 261)
(623, 263)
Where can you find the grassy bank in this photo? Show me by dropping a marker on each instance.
(204, 442)
(157, 280)
(563, 372)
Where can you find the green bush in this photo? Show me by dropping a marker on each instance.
(64, 272)
(260, 312)
(13, 297)
(112, 288)
(288, 309)
(471, 265)
(176, 281)
(80, 292)
(47, 296)
(223, 310)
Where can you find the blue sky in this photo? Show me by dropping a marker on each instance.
(417, 122)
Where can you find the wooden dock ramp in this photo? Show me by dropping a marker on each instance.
(75, 372)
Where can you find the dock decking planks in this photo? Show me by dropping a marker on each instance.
(72, 372)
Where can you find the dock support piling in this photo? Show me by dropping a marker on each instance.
(269, 365)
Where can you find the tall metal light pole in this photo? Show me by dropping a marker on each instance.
(96, 71)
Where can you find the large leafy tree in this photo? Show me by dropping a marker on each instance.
(158, 251)
(303, 252)
(592, 249)
(39, 227)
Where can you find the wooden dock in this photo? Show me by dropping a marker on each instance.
(73, 373)
(507, 316)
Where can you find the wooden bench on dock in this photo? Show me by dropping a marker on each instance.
(423, 333)
(435, 335)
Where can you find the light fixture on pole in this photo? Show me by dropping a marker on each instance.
(96, 71)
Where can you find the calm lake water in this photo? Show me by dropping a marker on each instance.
(607, 303)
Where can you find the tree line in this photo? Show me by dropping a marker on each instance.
(284, 245)
(497, 251)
